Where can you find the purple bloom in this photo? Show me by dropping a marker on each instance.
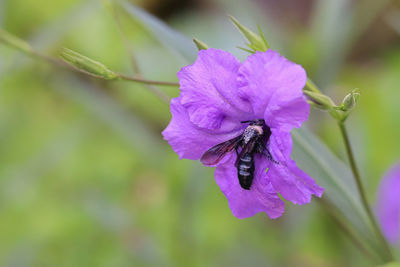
(388, 204)
(219, 93)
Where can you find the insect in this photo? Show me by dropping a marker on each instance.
(252, 141)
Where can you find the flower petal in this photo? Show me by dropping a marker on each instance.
(289, 180)
(187, 140)
(246, 203)
(286, 111)
(273, 85)
(209, 90)
(388, 204)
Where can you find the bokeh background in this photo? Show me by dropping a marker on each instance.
(85, 177)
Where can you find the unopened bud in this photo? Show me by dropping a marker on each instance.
(87, 65)
(256, 42)
(200, 45)
(319, 100)
(350, 100)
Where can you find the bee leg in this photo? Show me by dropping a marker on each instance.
(262, 149)
(269, 156)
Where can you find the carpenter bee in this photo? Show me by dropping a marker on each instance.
(252, 141)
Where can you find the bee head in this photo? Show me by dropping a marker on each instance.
(257, 122)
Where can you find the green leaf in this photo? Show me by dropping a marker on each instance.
(308, 151)
(126, 124)
(175, 41)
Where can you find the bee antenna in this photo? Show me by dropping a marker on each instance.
(245, 121)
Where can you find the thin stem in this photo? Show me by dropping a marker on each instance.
(360, 187)
(27, 49)
(135, 66)
(115, 14)
(140, 80)
(331, 211)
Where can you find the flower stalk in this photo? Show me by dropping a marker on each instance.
(340, 114)
(145, 81)
(15, 42)
(361, 190)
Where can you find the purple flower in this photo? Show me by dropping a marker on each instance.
(220, 99)
(388, 204)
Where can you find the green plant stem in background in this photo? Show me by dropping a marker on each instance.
(114, 11)
(360, 187)
(26, 48)
(144, 81)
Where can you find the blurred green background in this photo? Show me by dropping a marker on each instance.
(85, 177)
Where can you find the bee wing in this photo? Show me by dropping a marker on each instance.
(216, 153)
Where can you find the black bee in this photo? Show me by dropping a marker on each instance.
(253, 140)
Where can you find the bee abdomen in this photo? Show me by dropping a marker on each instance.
(246, 171)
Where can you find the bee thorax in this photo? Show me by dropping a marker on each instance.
(252, 131)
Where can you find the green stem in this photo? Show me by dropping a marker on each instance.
(114, 11)
(24, 47)
(360, 187)
(144, 81)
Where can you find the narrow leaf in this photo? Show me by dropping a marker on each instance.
(172, 39)
(330, 172)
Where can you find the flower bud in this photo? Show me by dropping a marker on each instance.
(350, 100)
(15, 42)
(200, 45)
(256, 42)
(320, 100)
(87, 65)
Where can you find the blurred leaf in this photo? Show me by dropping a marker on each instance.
(331, 27)
(310, 153)
(393, 19)
(337, 25)
(173, 40)
(330, 172)
(21, 177)
(391, 264)
(2, 5)
(133, 129)
(48, 36)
